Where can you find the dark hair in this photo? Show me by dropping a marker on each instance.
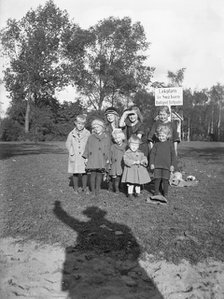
(137, 111)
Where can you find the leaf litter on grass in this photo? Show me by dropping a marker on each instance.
(186, 230)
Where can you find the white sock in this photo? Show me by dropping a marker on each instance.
(130, 189)
(137, 189)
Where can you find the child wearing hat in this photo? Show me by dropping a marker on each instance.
(97, 154)
(75, 144)
(118, 148)
(112, 123)
(112, 119)
(131, 122)
(135, 173)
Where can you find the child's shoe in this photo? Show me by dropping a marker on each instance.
(131, 197)
(86, 191)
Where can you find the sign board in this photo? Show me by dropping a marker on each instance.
(169, 96)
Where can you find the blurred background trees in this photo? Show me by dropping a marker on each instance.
(107, 66)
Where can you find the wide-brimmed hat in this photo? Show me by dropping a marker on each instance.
(111, 110)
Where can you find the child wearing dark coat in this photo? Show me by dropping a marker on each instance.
(116, 163)
(162, 161)
(97, 155)
(163, 119)
(135, 173)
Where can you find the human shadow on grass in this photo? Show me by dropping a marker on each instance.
(104, 260)
(8, 150)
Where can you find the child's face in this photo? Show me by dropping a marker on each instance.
(163, 116)
(133, 117)
(134, 146)
(98, 129)
(79, 125)
(118, 140)
(110, 117)
(162, 137)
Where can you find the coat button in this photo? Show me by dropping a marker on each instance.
(115, 160)
(99, 148)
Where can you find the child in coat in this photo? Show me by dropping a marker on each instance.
(116, 162)
(131, 122)
(163, 120)
(75, 144)
(97, 155)
(135, 173)
(162, 161)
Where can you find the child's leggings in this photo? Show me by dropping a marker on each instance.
(116, 183)
(165, 184)
(95, 181)
(76, 180)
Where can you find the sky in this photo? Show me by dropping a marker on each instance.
(182, 33)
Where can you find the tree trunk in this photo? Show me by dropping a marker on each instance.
(188, 129)
(219, 121)
(27, 117)
(212, 121)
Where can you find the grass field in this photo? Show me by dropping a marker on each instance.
(38, 204)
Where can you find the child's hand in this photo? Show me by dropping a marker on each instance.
(137, 162)
(152, 166)
(172, 168)
(86, 160)
(144, 163)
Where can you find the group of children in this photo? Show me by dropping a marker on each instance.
(115, 149)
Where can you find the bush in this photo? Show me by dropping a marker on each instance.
(10, 130)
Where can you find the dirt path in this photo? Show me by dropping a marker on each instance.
(31, 270)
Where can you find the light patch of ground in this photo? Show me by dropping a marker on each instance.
(31, 270)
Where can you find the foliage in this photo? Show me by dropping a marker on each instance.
(65, 118)
(176, 79)
(112, 63)
(33, 47)
(10, 130)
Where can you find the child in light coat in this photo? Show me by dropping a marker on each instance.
(75, 144)
(97, 155)
(135, 173)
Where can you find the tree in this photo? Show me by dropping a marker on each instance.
(176, 79)
(109, 65)
(33, 46)
(217, 100)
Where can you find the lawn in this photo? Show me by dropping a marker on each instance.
(38, 204)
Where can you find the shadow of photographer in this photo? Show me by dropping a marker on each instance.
(103, 263)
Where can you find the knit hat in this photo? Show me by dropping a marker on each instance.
(134, 139)
(111, 110)
(97, 122)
